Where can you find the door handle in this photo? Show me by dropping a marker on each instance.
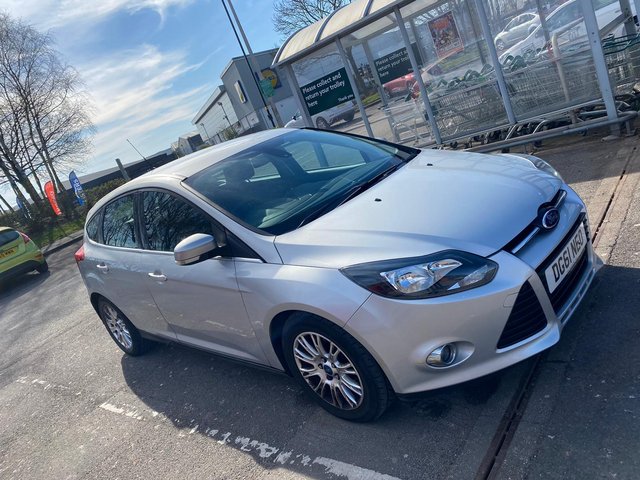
(102, 267)
(158, 277)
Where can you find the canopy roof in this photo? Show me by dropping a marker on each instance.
(341, 23)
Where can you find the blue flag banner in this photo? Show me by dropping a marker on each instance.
(25, 211)
(77, 188)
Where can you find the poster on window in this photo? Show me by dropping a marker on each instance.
(445, 35)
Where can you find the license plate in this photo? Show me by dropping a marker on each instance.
(6, 253)
(566, 259)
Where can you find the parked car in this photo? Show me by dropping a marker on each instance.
(362, 268)
(399, 86)
(323, 120)
(606, 11)
(19, 254)
(518, 28)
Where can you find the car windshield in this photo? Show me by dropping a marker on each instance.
(280, 184)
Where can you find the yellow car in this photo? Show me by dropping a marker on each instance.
(19, 254)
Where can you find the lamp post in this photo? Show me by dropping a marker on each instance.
(225, 114)
(205, 132)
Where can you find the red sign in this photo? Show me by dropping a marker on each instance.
(51, 195)
(444, 33)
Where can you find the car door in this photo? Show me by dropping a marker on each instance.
(202, 301)
(515, 28)
(521, 30)
(112, 263)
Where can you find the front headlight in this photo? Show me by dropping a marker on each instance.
(436, 275)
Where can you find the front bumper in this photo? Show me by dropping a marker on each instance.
(400, 334)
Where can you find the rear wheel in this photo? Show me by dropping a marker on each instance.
(43, 267)
(122, 331)
(335, 369)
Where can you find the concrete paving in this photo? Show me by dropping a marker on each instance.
(73, 406)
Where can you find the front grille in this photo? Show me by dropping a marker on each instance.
(563, 291)
(526, 319)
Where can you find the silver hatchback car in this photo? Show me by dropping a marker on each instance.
(364, 269)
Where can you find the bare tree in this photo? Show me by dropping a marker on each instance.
(289, 16)
(44, 119)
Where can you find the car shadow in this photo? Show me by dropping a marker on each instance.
(18, 286)
(257, 412)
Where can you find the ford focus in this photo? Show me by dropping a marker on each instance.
(365, 270)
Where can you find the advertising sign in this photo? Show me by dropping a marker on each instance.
(266, 87)
(51, 195)
(396, 64)
(328, 91)
(445, 35)
(77, 188)
(271, 75)
(25, 211)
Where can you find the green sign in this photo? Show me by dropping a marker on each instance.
(267, 87)
(395, 65)
(327, 92)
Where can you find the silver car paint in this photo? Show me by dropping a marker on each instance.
(115, 274)
(463, 200)
(453, 196)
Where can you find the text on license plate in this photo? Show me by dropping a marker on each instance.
(6, 253)
(566, 259)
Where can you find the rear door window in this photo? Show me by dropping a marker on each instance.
(118, 225)
(93, 227)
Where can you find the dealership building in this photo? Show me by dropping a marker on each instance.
(238, 107)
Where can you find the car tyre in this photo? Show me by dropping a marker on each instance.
(349, 117)
(322, 124)
(43, 267)
(500, 46)
(348, 383)
(121, 330)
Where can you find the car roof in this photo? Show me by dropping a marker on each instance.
(186, 166)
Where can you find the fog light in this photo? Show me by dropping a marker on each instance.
(442, 356)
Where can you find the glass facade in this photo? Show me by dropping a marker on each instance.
(487, 67)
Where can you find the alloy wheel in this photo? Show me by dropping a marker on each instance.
(117, 326)
(328, 371)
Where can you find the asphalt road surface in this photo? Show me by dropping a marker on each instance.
(72, 405)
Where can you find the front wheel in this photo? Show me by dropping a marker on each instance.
(122, 331)
(335, 369)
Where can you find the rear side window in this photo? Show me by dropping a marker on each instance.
(92, 227)
(168, 220)
(118, 224)
(8, 236)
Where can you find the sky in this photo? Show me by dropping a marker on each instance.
(148, 65)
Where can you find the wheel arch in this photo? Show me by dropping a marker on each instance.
(276, 327)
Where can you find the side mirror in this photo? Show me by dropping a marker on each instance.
(194, 249)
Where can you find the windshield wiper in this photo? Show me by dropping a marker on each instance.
(349, 194)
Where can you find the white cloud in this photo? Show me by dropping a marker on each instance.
(55, 13)
(134, 98)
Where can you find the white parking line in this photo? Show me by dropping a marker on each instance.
(256, 447)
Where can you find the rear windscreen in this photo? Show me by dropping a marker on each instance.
(8, 236)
